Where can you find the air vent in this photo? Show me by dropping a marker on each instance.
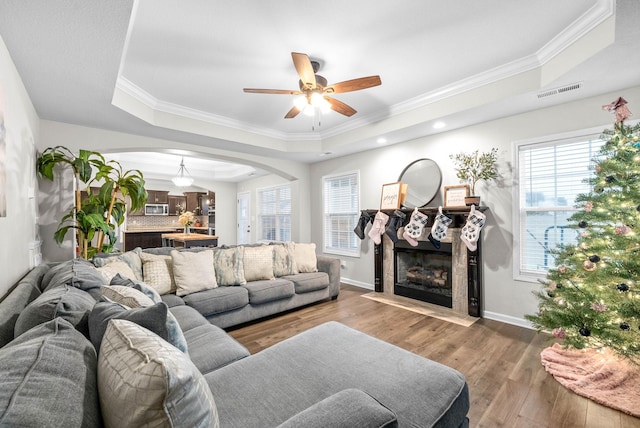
(560, 90)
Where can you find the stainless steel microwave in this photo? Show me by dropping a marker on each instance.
(156, 209)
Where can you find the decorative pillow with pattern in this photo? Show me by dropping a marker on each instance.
(114, 268)
(305, 257)
(193, 272)
(132, 258)
(229, 266)
(258, 263)
(142, 381)
(157, 272)
(284, 262)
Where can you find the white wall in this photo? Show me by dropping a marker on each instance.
(504, 298)
(19, 228)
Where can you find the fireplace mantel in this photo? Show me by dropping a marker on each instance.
(467, 280)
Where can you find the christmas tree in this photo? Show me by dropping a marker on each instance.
(591, 299)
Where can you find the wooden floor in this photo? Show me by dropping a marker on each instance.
(508, 385)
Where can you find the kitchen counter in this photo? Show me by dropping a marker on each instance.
(151, 236)
(163, 229)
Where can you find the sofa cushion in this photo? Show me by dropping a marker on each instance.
(229, 266)
(137, 285)
(268, 291)
(306, 282)
(217, 300)
(157, 272)
(284, 262)
(210, 348)
(143, 381)
(305, 257)
(49, 376)
(78, 273)
(351, 408)
(132, 258)
(116, 267)
(172, 300)
(258, 263)
(152, 318)
(133, 298)
(65, 301)
(193, 272)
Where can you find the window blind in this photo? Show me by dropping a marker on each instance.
(341, 200)
(274, 213)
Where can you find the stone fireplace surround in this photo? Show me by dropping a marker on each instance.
(466, 281)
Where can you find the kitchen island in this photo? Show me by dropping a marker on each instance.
(151, 237)
(189, 240)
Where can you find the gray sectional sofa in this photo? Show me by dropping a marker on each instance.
(67, 359)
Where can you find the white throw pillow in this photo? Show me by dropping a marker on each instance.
(192, 271)
(157, 272)
(115, 267)
(127, 296)
(144, 381)
(258, 263)
(305, 257)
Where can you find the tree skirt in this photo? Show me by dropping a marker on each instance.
(598, 375)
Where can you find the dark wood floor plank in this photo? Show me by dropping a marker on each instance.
(508, 385)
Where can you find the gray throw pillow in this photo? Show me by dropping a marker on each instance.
(138, 285)
(65, 301)
(78, 273)
(49, 378)
(153, 318)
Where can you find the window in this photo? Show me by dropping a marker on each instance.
(341, 210)
(550, 174)
(274, 213)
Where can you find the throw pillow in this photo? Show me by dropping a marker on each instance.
(284, 262)
(229, 266)
(65, 301)
(144, 382)
(258, 263)
(153, 318)
(157, 271)
(137, 285)
(132, 258)
(193, 272)
(133, 298)
(114, 268)
(305, 257)
(79, 273)
(49, 378)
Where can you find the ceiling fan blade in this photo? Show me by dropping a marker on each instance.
(292, 113)
(272, 91)
(305, 69)
(340, 107)
(353, 85)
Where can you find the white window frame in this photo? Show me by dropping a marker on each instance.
(519, 273)
(353, 252)
(277, 214)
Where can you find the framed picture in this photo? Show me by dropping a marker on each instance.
(454, 196)
(391, 196)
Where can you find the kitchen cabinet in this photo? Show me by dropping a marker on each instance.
(194, 202)
(142, 240)
(157, 196)
(177, 204)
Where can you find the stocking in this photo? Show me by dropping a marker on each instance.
(394, 224)
(377, 229)
(362, 223)
(471, 230)
(439, 228)
(413, 230)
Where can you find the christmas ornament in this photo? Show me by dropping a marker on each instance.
(610, 179)
(588, 206)
(598, 168)
(584, 331)
(589, 266)
(583, 224)
(598, 189)
(599, 307)
(619, 107)
(622, 230)
(562, 268)
(625, 326)
(622, 287)
(594, 258)
(552, 285)
(559, 333)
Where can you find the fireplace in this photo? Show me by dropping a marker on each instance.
(424, 272)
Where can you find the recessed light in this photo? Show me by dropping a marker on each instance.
(381, 140)
(439, 125)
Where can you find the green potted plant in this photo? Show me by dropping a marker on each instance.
(473, 167)
(96, 215)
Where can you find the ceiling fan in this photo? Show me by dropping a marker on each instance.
(314, 88)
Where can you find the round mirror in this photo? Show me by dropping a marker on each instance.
(423, 178)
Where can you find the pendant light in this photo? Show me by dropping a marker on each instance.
(183, 178)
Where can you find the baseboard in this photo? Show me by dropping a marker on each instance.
(508, 319)
(357, 283)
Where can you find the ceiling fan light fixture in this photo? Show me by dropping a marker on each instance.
(309, 110)
(300, 102)
(183, 178)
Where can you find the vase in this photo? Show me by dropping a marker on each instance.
(187, 230)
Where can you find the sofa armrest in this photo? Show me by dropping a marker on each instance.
(349, 408)
(331, 266)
